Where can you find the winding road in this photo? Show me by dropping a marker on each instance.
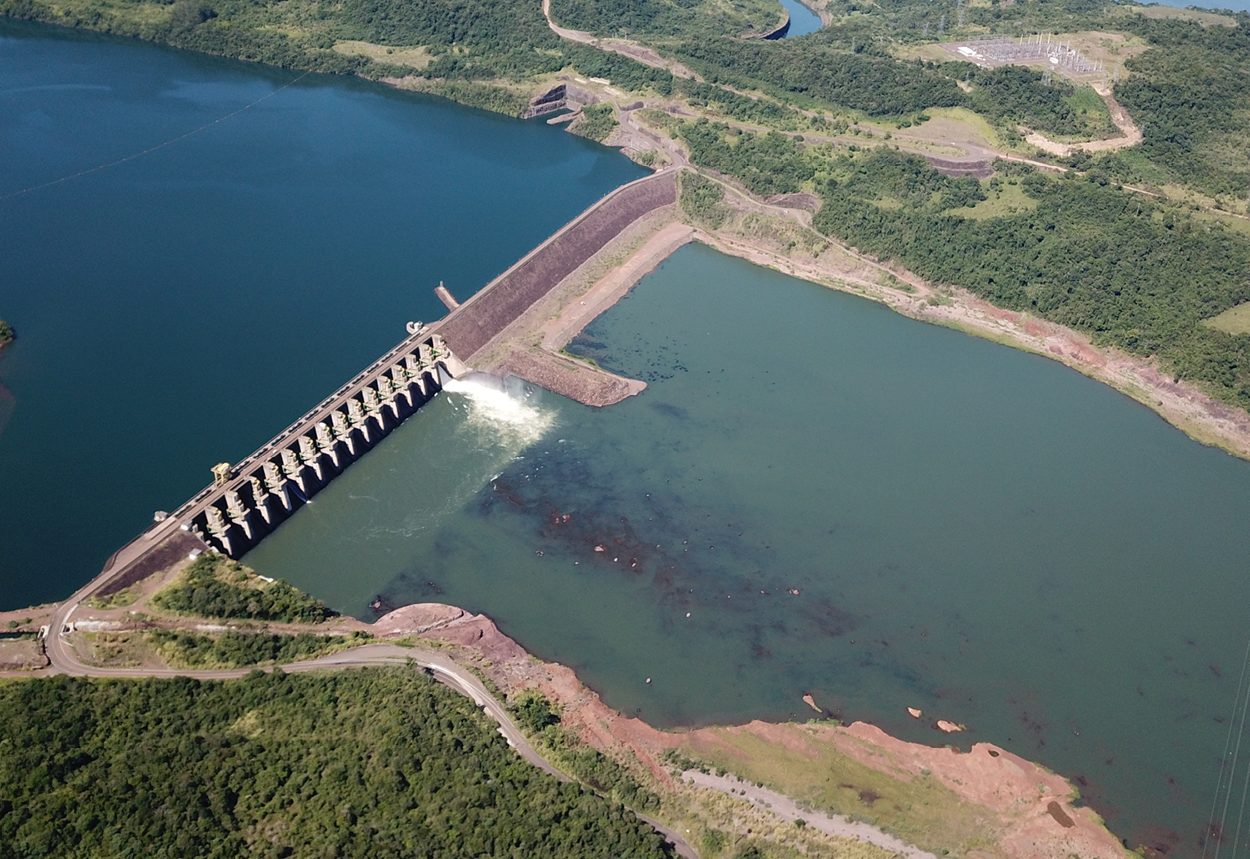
(64, 660)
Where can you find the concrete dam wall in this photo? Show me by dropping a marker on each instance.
(253, 497)
(501, 301)
(258, 494)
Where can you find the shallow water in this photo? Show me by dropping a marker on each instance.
(179, 308)
(969, 529)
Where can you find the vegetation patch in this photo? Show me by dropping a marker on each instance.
(416, 57)
(239, 649)
(6, 334)
(1003, 199)
(376, 762)
(215, 586)
(703, 200)
(812, 771)
(541, 722)
(596, 122)
(1235, 320)
(1086, 256)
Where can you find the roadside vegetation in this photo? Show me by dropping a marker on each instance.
(596, 122)
(215, 586)
(355, 763)
(243, 649)
(702, 200)
(813, 772)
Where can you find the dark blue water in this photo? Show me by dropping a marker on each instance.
(178, 309)
(802, 19)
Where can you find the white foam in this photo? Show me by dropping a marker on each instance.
(512, 416)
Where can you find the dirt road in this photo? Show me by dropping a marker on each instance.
(787, 809)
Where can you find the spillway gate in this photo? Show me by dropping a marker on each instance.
(260, 492)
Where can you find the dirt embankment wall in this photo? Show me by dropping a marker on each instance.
(501, 301)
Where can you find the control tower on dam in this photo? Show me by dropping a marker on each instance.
(250, 499)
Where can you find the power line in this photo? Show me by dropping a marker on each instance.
(170, 142)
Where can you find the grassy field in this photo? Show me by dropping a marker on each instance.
(1001, 200)
(1206, 19)
(416, 57)
(1235, 320)
(812, 771)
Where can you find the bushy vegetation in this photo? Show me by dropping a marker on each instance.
(1129, 272)
(668, 17)
(597, 122)
(214, 586)
(239, 649)
(1189, 94)
(767, 164)
(6, 333)
(539, 719)
(702, 200)
(877, 85)
(1014, 94)
(378, 762)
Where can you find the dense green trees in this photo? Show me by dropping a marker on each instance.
(767, 164)
(597, 122)
(214, 586)
(1189, 94)
(668, 17)
(377, 762)
(6, 333)
(1099, 260)
(877, 85)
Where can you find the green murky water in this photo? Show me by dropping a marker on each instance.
(815, 494)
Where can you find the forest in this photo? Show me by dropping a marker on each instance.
(375, 762)
(1130, 272)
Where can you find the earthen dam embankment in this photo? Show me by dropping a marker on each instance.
(484, 316)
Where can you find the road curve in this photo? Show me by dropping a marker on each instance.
(444, 669)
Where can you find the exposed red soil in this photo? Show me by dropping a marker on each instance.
(1040, 821)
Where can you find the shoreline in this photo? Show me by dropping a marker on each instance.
(1019, 808)
(1036, 811)
(552, 323)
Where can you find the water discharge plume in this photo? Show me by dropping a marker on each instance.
(505, 408)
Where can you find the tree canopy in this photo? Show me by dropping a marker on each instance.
(376, 762)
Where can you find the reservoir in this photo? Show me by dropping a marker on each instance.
(254, 244)
(815, 494)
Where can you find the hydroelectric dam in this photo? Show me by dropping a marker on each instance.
(251, 498)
